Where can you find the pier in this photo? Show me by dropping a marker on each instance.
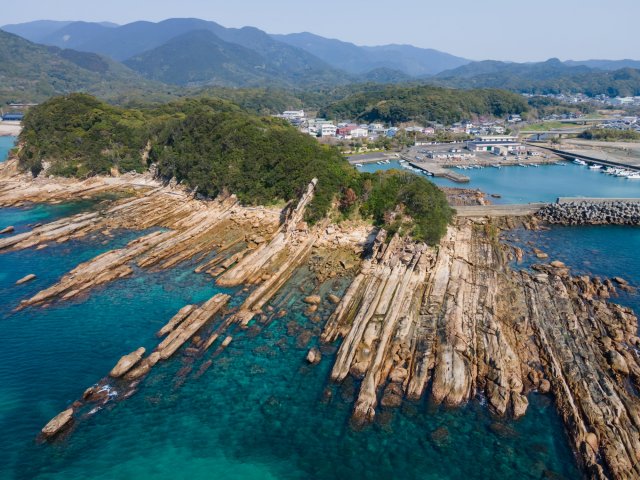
(592, 157)
(437, 170)
(514, 210)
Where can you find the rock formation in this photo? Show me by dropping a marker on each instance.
(460, 319)
(454, 317)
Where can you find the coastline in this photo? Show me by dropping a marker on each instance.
(401, 295)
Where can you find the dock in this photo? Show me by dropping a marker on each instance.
(592, 157)
(437, 170)
(499, 210)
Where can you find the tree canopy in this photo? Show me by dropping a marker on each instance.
(214, 147)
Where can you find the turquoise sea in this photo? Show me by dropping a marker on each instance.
(536, 184)
(260, 411)
(6, 144)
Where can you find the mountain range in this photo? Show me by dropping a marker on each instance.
(189, 52)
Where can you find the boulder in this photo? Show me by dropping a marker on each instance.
(9, 229)
(617, 362)
(57, 423)
(127, 362)
(557, 264)
(544, 386)
(312, 299)
(519, 404)
(398, 375)
(333, 298)
(314, 356)
(26, 279)
(592, 441)
(392, 396)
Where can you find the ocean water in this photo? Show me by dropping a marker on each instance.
(6, 144)
(258, 412)
(536, 184)
(604, 251)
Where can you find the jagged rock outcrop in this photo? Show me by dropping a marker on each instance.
(459, 318)
(57, 424)
(127, 362)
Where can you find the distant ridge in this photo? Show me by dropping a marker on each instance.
(410, 60)
(196, 53)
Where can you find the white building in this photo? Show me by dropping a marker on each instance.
(293, 114)
(326, 130)
(497, 142)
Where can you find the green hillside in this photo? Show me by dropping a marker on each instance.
(214, 147)
(33, 73)
(395, 104)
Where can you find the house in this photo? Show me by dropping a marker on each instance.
(319, 127)
(326, 130)
(351, 131)
(376, 128)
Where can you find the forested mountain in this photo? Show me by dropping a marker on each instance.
(397, 104)
(410, 60)
(188, 52)
(37, 30)
(552, 76)
(31, 72)
(200, 58)
(144, 44)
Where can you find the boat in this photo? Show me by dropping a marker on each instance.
(577, 161)
(359, 165)
(595, 166)
(522, 165)
(634, 176)
(535, 165)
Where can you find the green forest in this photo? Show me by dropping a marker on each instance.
(611, 135)
(397, 104)
(214, 148)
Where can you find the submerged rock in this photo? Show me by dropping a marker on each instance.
(312, 299)
(314, 356)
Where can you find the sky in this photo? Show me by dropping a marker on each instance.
(515, 30)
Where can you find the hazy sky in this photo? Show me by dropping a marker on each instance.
(477, 29)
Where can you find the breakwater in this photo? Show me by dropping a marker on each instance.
(587, 212)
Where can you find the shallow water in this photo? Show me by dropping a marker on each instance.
(604, 251)
(6, 144)
(258, 412)
(536, 184)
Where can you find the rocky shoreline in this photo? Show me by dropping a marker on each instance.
(591, 213)
(449, 320)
